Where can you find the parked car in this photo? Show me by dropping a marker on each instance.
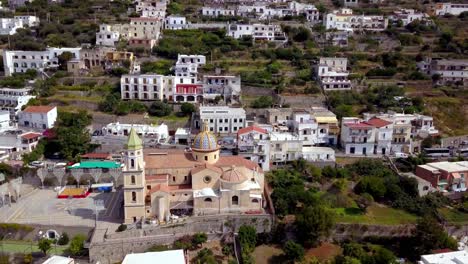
(60, 165)
(37, 163)
(401, 155)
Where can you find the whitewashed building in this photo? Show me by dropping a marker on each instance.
(407, 16)
(284, 147)
(450, 71)
(158, 132)
(108, 35)
(221, 119)
(12, 100)
(357, 137)
(253, 143)
(174, 22)
(5, 121)
(21, 61)
(345, 20)
(151, 8)
(305, 127)
(187, 65)
(258, 32)
(227, 86)
(454, 257)
(318, 154)
(38, 117)
(440, 9)
(146, 87)
(215, 11)
(8, 26)
(332, 73)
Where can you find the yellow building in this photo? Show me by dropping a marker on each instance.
(195, 182)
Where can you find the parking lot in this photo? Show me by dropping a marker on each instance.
(43, 207)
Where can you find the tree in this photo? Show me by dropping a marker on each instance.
(184, 242)
(64, 239)
(199, 238)
(205, 256)
(64, 58)
(71, 136)
(313, 223)
(159, 109)
(262, 102)
(44, 245)
(429, 235)
(372, 185)
(187, 109)
(294, 251)
(77, 245)
(247, 238)
(364, 200)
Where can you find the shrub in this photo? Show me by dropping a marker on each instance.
(159, 109)
(77, 245)
(64, 239)
(121, 228)
(293, 251)
(262, 102)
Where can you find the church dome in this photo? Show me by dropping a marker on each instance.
(233, 175)
(205, 140)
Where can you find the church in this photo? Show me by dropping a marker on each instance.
(159, 183)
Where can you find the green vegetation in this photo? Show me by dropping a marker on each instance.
(44, 245)
(160, 67)
(160, 109)
(248, 240)
(76, 247)
(375, 214)
(262, 102)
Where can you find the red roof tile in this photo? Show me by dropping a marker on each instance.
(228, 161)
(160, 187)
(361, 125)
(157, 177)
(251, 128)
(180, 187)
(205, 166)
(377, 122)
(30, 135)
(38, 109)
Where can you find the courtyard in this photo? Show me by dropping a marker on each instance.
(41, 206)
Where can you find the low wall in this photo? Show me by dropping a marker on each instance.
(112, 247)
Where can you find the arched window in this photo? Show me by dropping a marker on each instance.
(254, 200)
(132, 179)
(132, 163)
(133, 196)
(235, 200)
(208, 200)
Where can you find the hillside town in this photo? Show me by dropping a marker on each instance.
(234, 131)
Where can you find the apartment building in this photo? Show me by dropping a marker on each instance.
(253, 143)
(5, 121)
(108, 35)
(187, 65)
(357, 136)
(146, 87)
(327, 126)
(332, 73)
(258, 32)
(8, 26)
(440, 9)
(151, 8)
(285, 147)
(407, 16)
(174, 22)
(445, 175)
(383, 135)
(38, 117)
(12, 100)
(216, 11)
(220, 119)
(350, 3)
(345, 20)
(449, 71)
(145, 28)
(304, 126)
(226, 86)
(21, 61)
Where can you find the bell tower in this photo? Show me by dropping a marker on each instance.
(134, 179)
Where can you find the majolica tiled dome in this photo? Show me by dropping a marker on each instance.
(205, 140)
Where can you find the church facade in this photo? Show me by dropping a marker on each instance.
(159, 183)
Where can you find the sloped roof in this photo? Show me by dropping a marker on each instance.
(251, 128)
(377, 122)
(38, 109)
(134, 141)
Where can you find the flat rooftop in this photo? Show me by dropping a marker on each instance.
(168, 256)
(456, 257)
(447, 166)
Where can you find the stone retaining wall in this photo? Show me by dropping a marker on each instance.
(111, 248)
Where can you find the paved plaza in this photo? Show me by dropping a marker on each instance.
(43, 207)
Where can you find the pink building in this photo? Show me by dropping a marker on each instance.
(445, 176)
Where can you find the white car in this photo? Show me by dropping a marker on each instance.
(401, 155)
(37, 163)
(60, 165)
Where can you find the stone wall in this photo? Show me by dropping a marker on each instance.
(110, 248)
(359, 231)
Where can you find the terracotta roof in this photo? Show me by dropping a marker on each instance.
(157, 177)
(358, 125)
(38, 109)
(205, 166)
(159, 187)
(377, 122)
(96, 156)
(251, 128)
(228, 161)
(30, 135)
(233, 175)
(169, 158)
(180, 187)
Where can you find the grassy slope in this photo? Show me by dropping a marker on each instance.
(375, 215)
